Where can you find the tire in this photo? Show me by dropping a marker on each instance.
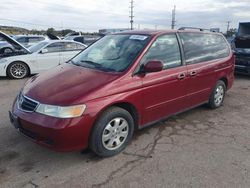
(112, 132)
(7, 50)
(217, 96)
(17, 70)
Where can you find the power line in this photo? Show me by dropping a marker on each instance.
(131, 14)
(38, 24)
(173, 18)
(28, 23)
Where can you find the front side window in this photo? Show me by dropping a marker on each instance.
(200, 47)
(37, 46)
(55, 47)
(165, 49)
(112, 52)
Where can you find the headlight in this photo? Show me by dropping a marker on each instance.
(3, 60)
(61, 111)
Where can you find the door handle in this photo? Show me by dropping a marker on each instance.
(193, 73)
(181, 76)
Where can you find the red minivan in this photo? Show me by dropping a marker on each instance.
(121, 83)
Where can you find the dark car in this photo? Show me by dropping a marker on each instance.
(120, 83)
(241, 46)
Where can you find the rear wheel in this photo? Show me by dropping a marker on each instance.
(217, 96)
(7, 50)
(112, 132)
(17, 70)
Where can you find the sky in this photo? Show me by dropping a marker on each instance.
(92, 15)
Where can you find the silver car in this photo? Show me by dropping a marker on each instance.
(25, 40)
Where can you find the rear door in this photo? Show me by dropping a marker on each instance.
(51, 57)
(164, 92)
(204, 54)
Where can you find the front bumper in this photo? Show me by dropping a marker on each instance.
(242, 69)
(242, 64)
(63, 135)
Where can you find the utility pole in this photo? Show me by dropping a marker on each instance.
(173, 18)
(228, 24)
(131, 14)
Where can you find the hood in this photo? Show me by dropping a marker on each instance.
(244, 30)
(242, 39)
(13, 42)
(67, 84)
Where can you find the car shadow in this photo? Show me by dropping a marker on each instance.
(4, 78)
(242, 77)
(10, 79)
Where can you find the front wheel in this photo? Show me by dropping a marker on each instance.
(17, 70)
(112, 132)
(217, 96)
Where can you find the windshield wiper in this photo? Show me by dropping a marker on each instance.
(107, 69)
(97, 65)
(93, 65)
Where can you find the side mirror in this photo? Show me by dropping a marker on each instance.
(43, 51)
(153, 66)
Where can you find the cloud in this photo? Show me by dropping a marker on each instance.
(93, 15)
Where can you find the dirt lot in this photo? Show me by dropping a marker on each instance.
(199, 148)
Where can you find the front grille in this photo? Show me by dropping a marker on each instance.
(26, 104)
(242, 59)
(28, 133)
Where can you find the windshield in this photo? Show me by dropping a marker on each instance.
(37, 47)
(16, 37)
(112, 52)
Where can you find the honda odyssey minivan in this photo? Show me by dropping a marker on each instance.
(121, 83)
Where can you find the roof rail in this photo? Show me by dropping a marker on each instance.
(197, 28)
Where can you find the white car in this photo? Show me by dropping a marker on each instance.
(38, 58)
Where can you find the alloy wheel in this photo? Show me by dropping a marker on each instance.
(18, 70)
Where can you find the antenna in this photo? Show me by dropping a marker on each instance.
(131, 14)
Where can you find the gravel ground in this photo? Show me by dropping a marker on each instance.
(198, 148)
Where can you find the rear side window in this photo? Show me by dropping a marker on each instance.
(200, 47)
(166, 49)
(80, 47)
(70, 46)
